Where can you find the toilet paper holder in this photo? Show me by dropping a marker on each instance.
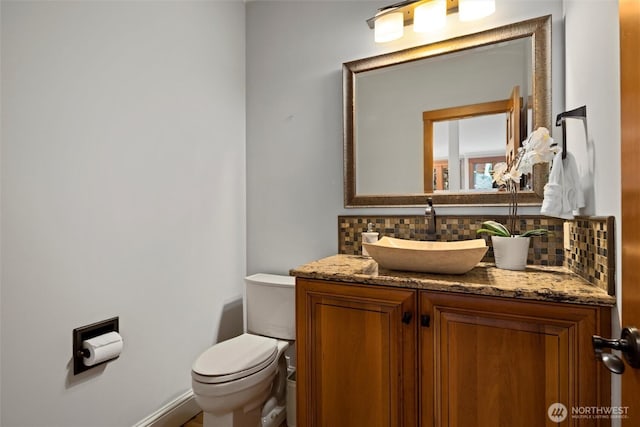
(84, 333)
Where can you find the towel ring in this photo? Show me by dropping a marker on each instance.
(577, 113)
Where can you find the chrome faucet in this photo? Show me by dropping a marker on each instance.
(430, 217)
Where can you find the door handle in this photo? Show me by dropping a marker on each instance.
(628, 344)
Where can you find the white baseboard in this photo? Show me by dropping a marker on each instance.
(173, 414)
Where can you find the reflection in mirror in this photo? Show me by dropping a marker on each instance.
(510, 119)
(392, 103)
(387, 158)
(465, 150)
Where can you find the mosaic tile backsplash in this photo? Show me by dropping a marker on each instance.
(589, 253)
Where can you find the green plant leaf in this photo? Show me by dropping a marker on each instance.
(486, 230)
(537, 232)
(494, 228)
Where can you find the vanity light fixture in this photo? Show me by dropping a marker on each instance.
(425, 15)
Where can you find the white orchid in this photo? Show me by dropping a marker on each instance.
(513, 174)
(499, 171)
(538, 148)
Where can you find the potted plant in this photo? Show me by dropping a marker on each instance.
(509, 248)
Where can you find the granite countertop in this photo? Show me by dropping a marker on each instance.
(553, 284)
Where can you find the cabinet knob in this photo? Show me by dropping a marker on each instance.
(628, 344)
(425, 320)
(406, 317)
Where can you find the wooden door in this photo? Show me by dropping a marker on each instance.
(356, 348)
(513, 123)
(494, 362)
(630, 110)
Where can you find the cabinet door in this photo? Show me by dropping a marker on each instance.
(492, 362)
(356, 348)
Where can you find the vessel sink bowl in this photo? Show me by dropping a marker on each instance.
(427, 257)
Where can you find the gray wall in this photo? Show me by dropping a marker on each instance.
(123, 194)
(593, 79)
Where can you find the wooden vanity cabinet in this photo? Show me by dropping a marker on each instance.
(356, 355)
(382, 356)
(489, 361)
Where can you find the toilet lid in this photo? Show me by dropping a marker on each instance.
(235, 358)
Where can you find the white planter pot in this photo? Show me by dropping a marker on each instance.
(511, 253)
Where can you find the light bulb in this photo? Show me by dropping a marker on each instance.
(389, 27)
(430, 16)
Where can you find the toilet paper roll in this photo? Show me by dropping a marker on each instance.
(102, 348)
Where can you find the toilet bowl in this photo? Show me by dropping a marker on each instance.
(232, 381)
(241, 382)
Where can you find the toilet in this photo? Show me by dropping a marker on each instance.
(242, 382)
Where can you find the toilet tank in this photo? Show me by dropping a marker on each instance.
(271, 306)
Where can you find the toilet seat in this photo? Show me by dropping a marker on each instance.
(234, 359)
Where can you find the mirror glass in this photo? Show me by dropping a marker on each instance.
(392, 157)
(465, 150)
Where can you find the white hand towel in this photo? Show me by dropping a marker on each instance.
(563, 194)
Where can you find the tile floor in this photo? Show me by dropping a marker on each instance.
(194, 422)
(197, 422)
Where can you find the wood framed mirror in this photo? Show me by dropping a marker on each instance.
(385, 154)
